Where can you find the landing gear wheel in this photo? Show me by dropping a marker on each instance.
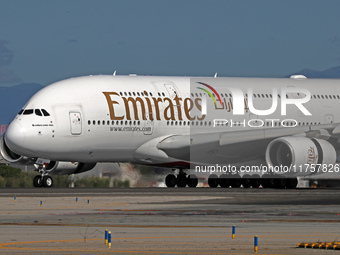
(246, 181)
(267, 181)
(291, 183)
(37, 182)
(236, 181)
(47, 181)
(170, 181)
(181, 180)
(213, 181)
(224, 181)
(255, 181)
(280, 183)
(192, 181)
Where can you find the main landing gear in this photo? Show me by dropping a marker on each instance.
(232, 180)
(254, 181)
(43, 180)
(182, 180)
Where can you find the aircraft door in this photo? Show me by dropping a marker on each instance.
(329, 118)
(173, 92)
(76, 123)
(254, 121)
(148, 126)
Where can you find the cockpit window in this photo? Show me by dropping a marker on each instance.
(45, 112)
(38, 112)
(28, 112)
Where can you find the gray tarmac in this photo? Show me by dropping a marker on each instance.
(167, 221)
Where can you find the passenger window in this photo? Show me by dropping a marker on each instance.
(45, 112)
(38, 112)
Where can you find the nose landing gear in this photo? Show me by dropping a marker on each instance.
(42, 180)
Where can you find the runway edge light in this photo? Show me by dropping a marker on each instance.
(109, 239)
(256, 244)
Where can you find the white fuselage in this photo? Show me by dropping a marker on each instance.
(108, 118)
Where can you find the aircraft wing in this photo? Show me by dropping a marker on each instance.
(241, 146)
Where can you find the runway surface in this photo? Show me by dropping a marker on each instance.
(167, 221)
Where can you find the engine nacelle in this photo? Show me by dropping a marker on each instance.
(299, 153)
(12, 157)
(64, 168)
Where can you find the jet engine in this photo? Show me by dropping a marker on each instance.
(54, 167)
(301, 155)
(63, 168)
(12, 157)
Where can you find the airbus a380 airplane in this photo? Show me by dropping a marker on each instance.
(280, 127)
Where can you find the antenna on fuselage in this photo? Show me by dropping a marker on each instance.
(215, 75)
(114, 73)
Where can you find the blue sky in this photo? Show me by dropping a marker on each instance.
(46, 41)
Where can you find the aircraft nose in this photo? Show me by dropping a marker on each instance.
(15, 136)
